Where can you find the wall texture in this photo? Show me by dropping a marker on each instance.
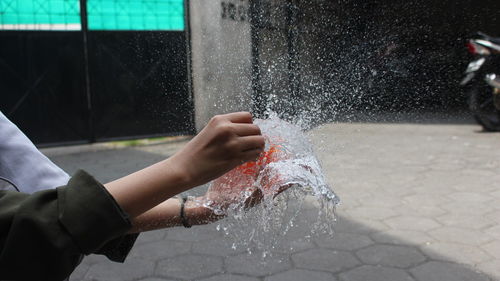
(221, 57)
(321, 60)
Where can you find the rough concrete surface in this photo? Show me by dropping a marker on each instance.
(420, 202)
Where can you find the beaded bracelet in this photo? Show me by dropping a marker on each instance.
(184, 220)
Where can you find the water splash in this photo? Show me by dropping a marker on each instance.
(288, 181)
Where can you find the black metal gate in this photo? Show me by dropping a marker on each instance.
(85, 86)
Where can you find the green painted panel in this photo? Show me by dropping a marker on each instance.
(40, 14)
(135, 14)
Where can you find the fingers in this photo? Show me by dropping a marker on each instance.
(282, 188)
(251, 155)
(240, 117)
(249, 143)
(254, 199)
(243, 130)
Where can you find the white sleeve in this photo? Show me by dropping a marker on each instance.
(23, 164)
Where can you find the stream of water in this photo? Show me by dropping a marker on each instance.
(289, 180)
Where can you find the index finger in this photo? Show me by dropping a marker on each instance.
(240, 117)
(243, 130)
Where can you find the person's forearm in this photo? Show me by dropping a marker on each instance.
(144, 189)
(167, 214)
(227, 141)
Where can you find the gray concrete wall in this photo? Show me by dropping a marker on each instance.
(290, 54)
(221, 57)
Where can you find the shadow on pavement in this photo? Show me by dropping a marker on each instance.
(357, 252)
(382, 248)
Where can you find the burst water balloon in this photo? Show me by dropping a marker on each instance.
(285, 179)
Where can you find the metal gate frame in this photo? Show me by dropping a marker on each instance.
(187, 126)
(91, 121)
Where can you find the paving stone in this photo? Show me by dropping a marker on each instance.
(390, 255)
(375, 273)
(460, 235)
(469, 197)
(494, 216)
(490, 268)
(380, 200)
(194, 234)
(291, 245)
(415, 209)
(160, 250)
(479, 172)
(219, 246)
(254, 265)
(376, 213)
(402, 237)
(402, 178)
(326, 260)
(79, 272)
(301, 275)
(426, 199)
(360, 226)
(493, 248)
(494, 204)
(493, 231)
(229, 277)
(433, 182)
(400, 189)
(467, 208)
(365, 188)
(444, 271)
(479, 185)
(366, 177)
(448, 166)
(474, 222)
(93, 259)
(301, 228)
(155, 279)
(189, 266)
(151, 236)
(349, 200)
(412, 223)
(344, 241)
(455, 253)
(495, 193)
(132, 269)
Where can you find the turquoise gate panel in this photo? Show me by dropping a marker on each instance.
(40, 14)
(102, 14)
(135, 14)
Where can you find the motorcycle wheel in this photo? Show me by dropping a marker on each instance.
(482, 105)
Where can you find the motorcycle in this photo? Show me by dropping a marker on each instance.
(483, 86)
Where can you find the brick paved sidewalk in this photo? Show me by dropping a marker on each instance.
(419, 202)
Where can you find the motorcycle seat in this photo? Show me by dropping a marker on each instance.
(495, 40)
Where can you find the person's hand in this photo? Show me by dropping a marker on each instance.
(227, 141)
(246, 185)
(243, 190)
(233, 188)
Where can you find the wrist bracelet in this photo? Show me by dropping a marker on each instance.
(184, 220)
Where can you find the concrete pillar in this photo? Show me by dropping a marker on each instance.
(221, 57)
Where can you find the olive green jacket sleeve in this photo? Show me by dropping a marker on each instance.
(43, 235)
